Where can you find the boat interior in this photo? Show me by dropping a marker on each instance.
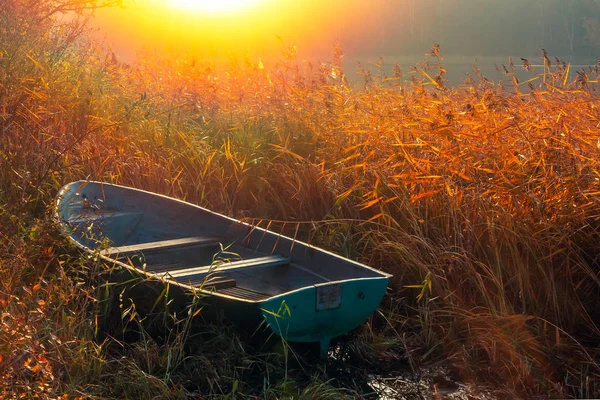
(196, 247)
(201, 262)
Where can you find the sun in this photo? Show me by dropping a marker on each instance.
(213, 6)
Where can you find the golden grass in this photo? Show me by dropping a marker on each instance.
(481, 199)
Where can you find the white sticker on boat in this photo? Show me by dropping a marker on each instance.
(329, 296)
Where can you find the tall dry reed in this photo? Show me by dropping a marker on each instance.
(481, 199)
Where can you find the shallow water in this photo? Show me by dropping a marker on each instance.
(395, 380)
(434, 383)
(458, 67)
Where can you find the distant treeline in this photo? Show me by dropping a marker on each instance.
(569, 28)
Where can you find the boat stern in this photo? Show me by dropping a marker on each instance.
(321, 312)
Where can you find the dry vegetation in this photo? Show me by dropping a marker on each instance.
(482, 200)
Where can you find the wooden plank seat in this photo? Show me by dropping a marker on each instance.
(266, 261)
(217, 276)
(123, 251)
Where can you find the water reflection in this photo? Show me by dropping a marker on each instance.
(396, 381)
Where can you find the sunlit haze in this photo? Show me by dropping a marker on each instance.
(219, 27)
(388, 28)
(213, 6)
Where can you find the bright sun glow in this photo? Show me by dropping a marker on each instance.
(213, 6)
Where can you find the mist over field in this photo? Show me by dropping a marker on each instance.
(568, 29)
(565, 28)
(481, 33)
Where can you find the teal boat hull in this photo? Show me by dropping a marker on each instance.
(296, 316)
(303, 293)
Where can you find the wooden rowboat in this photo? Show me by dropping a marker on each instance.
(304, 293)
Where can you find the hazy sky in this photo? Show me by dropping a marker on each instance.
(364, 28)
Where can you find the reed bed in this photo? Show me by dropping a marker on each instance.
(481, 198)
